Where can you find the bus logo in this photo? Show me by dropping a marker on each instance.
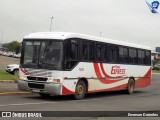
(153, 5)
(117, 70)
(81, 69)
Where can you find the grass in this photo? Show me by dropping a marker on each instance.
(155, 71)
(7, 76)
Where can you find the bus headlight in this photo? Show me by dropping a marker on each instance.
(22, 78)
(53, 80)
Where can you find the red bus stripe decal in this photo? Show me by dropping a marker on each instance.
(24, 71)
(98, 74)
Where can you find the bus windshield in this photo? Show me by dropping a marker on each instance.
(42, 54)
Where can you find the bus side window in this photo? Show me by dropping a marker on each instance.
(135, 56)
(106, 53)
(72, 53)
(100, 48)
(148, 58)
(123, 55)
(99, 52)
(91, 51)
(143, 57)
(131, 55)
(85, 51)
(110, 53)
(67, 50)
(139, 56)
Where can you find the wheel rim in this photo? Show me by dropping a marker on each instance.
(80, 90)
(131, 87)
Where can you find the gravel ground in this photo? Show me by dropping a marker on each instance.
(4, 61)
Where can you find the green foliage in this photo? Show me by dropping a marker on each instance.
(155, 71)
(7, 76)
(155, 62)
(13, 46)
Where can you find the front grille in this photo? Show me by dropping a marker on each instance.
(36, 78)
(37, 86)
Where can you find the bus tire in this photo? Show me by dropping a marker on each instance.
(44, 95)
(131, 86)
(80, 90)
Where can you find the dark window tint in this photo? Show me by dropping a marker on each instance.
(74, 50)
(141, 57)
(123, 55)
(148, 58)
(132, 56)
(100, 52)
(85, 51)
(91, 51)
(112, 53)
(71, 53)
(106, 56)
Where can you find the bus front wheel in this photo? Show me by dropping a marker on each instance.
(80, 90)
(131, 86)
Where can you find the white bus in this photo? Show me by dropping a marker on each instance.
(56, 63)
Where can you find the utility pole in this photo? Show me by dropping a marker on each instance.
(100, 34)
(51, 24)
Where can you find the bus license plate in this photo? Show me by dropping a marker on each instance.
(36, 90)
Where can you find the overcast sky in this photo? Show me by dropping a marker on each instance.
(125, 20)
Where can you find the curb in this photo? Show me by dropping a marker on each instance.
(7, 93)
(155, 73)
(9, 81)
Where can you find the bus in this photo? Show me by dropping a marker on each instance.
(63, 63)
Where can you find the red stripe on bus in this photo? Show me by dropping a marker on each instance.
(139, 83)
(98, 74)
(144, 82)
(106, 75)
(66, 91)
(24, 71)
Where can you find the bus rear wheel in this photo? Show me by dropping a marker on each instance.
(131, 86)
(80, 90)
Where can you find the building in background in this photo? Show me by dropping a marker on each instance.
(155, 55)
(158, 49)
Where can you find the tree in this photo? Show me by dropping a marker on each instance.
(13, 46)
(155, 62)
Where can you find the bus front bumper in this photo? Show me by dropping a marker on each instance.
(49, 88)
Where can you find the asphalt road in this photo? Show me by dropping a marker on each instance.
(4, 61)
(147, 99)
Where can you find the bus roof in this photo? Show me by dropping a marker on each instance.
(67, 35)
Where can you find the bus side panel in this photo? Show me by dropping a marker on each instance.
(68, 86)
(145, 81)
(106, 77)
(82, 70)
(116, 76)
